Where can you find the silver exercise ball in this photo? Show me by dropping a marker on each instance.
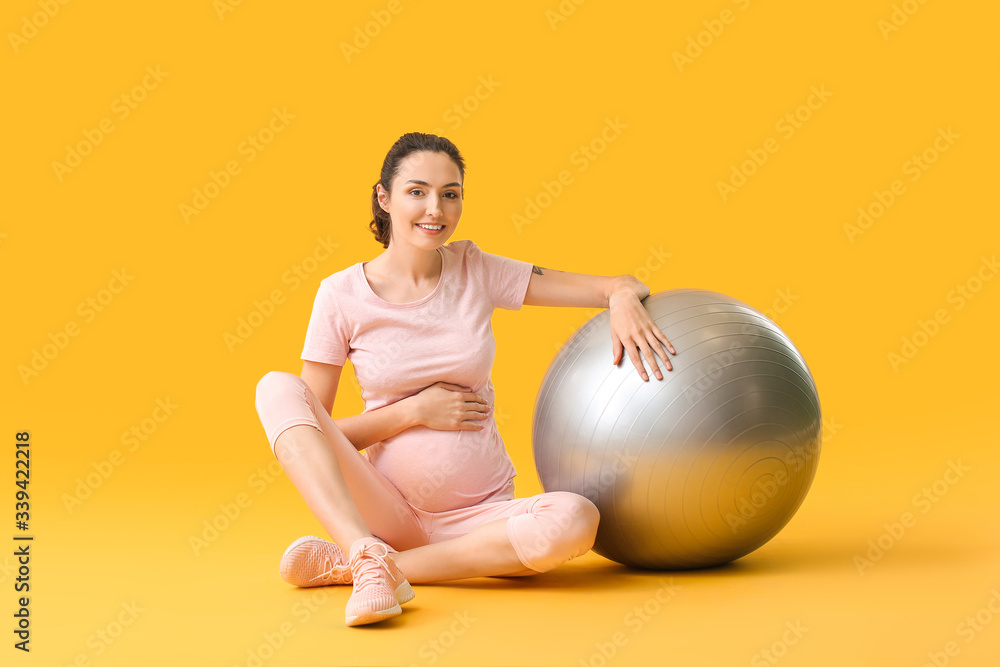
(694, 470)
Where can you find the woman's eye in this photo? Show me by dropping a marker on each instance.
(449, 194)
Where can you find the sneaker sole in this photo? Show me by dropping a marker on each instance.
(404, 592)
(374, 616)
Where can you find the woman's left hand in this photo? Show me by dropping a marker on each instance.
(634, 331)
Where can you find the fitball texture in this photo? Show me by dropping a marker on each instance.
(694, 470)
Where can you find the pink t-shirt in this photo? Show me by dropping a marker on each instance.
(398, 349)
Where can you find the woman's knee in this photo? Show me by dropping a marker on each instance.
(581, 516)
(565, 527)
(274, 385)
(281, 403)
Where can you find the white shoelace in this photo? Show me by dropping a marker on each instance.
(333, 568)
(367, 564)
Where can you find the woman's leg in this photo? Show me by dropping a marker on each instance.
(311, 464)
(483, 552)
(509, 538)
(348, 496)
(513, 537)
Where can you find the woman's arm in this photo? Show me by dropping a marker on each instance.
(633, 332)
(375, 425)
(548, 287)
(364, 429)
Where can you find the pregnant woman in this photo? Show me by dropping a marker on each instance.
(419, 487)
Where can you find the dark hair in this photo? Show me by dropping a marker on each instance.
(411, 142)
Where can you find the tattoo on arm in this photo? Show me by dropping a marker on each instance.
(537, 270)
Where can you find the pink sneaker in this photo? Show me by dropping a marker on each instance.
(312, 561)
(379, 586)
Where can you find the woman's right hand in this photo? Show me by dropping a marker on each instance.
(450, 407)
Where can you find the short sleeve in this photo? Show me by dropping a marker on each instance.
(327, 337)
(505, 279)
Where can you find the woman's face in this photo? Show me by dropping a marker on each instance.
(426, 191)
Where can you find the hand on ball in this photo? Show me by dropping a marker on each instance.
(635, 332)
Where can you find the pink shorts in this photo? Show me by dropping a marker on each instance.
(545, 530)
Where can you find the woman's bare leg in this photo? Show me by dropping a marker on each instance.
(483, 552)
(349, 498)
(550, 528)
(344, 491)
(311, 464)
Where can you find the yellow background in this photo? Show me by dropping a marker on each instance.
(778, 242)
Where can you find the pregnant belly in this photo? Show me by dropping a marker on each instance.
(438, 471)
